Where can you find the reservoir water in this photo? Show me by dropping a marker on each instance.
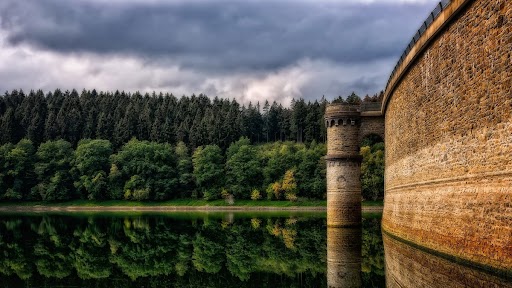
(215, 250)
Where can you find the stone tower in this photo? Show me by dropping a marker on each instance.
(343, 165)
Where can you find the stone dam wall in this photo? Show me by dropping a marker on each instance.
(448, 136)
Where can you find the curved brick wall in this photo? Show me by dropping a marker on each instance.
(448, 135)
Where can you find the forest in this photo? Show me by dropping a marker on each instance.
(163, 118)
(63, 146)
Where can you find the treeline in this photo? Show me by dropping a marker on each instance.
(163, 118)
(186, 148)
(143, 170)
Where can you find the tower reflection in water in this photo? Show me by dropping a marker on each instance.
(343, 257)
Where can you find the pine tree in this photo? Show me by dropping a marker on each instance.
(88, 102)
(54, 101)
(8, 127)
(126, 128)
(298, 119)
(145, 119)
(69, 119)
(273, 120)
(311, 129)
(104, 128)
(266, 120)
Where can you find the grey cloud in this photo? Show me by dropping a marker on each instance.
(249, 50)
(222, 36)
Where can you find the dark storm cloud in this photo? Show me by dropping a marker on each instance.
(220, 36)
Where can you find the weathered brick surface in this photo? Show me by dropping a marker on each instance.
(343, 193)
(345, 129)
(343, 257)
(448, 177)
(407, 266)
(343, 140)
(371, 125)
(343, 166)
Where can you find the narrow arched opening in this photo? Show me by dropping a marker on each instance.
(371, 139)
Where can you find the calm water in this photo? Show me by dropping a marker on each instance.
(216, 250)
(180, 250)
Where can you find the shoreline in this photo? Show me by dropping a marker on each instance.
(51, 208)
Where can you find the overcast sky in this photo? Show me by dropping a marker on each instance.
(249, 50)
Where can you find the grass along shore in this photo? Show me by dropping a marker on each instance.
(175, 205)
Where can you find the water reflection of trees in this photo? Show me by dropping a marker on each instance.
(372, 251)
(163, 251)
(127, 251)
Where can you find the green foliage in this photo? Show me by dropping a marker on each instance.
(234, 148)
(207, 255)
(4, 182)
(228, 197)
(209, 170)
(277, 158)
(196, 120)
(276, 191)
(101, 169)
(289, 186)
(53, 164)
(146, 170)
(372, 171)
(92, 163)
(115, 183)
(371, 140)
(16, 173)
(243, 169)
(311, 171)
(143, 170)
(352, 99)
(373, 265)
(185, 170)
(176, 251)
(270, 191)
(135, 189)
(255, 194)
(210, 194)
